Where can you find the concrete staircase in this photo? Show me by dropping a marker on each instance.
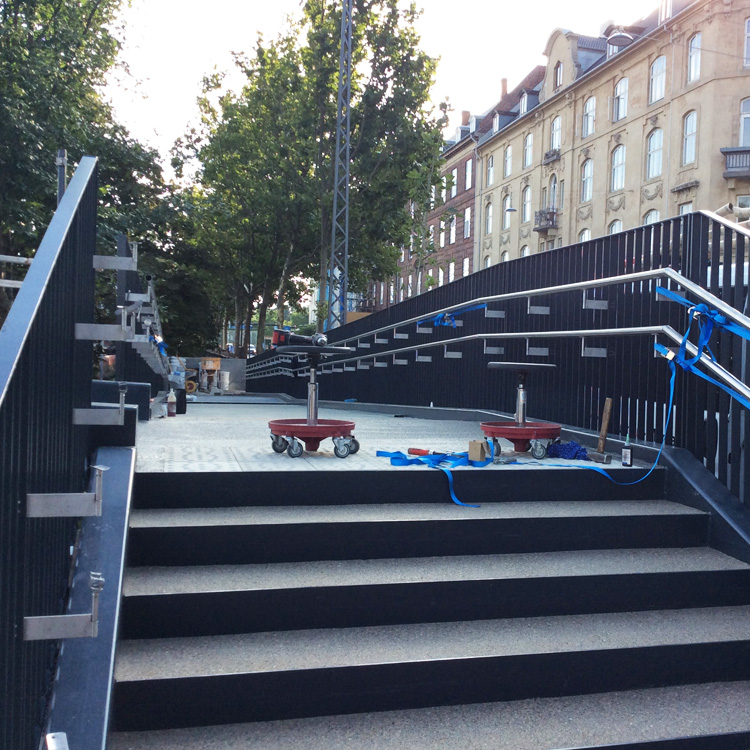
(365, 610)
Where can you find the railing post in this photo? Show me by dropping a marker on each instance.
(62, 173)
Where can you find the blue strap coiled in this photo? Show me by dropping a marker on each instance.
(449, 319)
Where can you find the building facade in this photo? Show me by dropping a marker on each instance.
(639, 124)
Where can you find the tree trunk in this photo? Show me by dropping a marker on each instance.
(283, 283)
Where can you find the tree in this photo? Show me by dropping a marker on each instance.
(266, 154)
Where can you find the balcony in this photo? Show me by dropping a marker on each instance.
(545, 220)
(737, 162)
(550, 156)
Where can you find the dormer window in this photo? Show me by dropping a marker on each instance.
(523, 104)
(665, 10)
(496, 123)
(472, 123)
(558, 76)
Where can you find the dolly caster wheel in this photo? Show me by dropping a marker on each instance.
(354, 446)
(538, 450)
(295, 449)
(278, 444)
(341, 449)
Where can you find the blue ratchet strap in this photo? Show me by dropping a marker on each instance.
(449, 319)
(437, 461)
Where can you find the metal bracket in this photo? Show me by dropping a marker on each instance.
(424, 330)
(376, 340)
(134, 297)
(114, 263)
(350, 368)
(397, 335)
(451, 355)
(103, 416)
(360, 345)
(363, 366)
(397, 361)
(380, 364)
(536, 351)
(536, 309)
(592, 351)
(59, 627)
(67, 505)
(493, 349)
(423, 358)
(56, 741)
(493, 313)
(594, 304)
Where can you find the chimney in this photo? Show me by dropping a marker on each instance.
(465, 115)
(504, 84)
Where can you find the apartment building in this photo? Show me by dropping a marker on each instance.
(640, 124)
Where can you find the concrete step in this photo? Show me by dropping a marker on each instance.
(165, 683)
(694, 712)
(187, 601)
(215, 536)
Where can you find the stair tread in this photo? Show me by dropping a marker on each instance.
(169, 517)
(326, 648)
(538, 724)
(267, 576)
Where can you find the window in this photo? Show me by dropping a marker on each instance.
(419, 282)
(468, 174)
(467, 222)
(558, 76)
(523, 104)
(654, 144)
(490, 169)
(587, 180)
(614, 227)
(555, 139)
(431, 239)
(441, 276)
(488, 219)
(508, 161)
(686, 208)
(657, 79)
(694, 58)
(391, 293)
(620, 102)
(747, 43)
(410, 286)
(382, 292)
(496, 123)
(528, 150)
(444, 189)
(651, 217)
(526, 204)
(743, 201)
(504, 257)
(689, 127)
(487, 261)
(665, 10)
(561, 195)
(454, 182)
(618, 168)
(465, 268)
(442, 233)
(525, 252)
(452, 230)
(403, 254)
(589, 117)
(584, 235)
(745, 122)
(506, 212)
(451, 271)
(553, 192)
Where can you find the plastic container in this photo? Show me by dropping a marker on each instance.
(172, 403)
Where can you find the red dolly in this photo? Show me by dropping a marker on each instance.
(286, 434)
(522, 434)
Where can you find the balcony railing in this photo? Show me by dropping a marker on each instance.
(551, 155)
(737, 162)
(545, 219)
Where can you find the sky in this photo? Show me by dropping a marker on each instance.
(171, 44)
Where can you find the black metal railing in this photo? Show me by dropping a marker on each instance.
(736, 162)
(44, 374)
(702, 247)
(545, 219)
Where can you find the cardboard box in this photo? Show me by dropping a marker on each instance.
(478, 450)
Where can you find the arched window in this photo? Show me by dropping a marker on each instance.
(490, 169)
(526, 204)
(508, 161)
(587, 180)
(745, 122)
(504, 257)
(488, 219)
(620, 101)
(528, 150)
(553, 192)
(555, 138)
(487, 261)
(618, 168)
(654, 147)
(689, 131)
(589, 117)
(584, 235)
(694, 58)
(651, 217)
(657, 79)
(525, 252)
(558, 76)
(614, 227)
(506, 212)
